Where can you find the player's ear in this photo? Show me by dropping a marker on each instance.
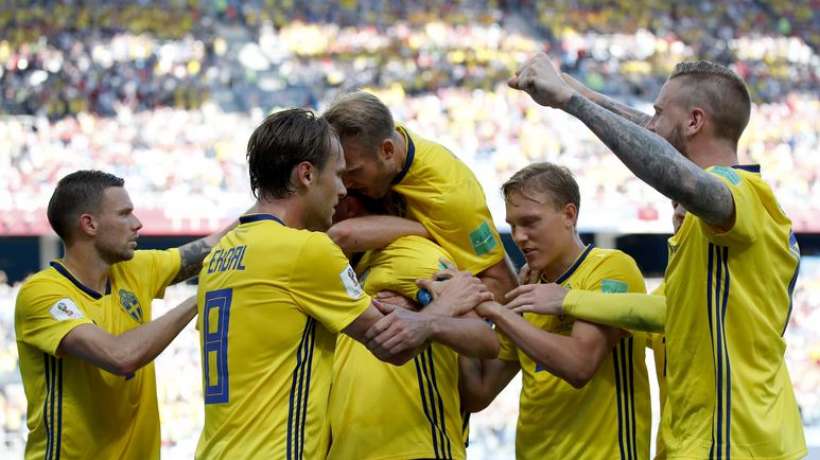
(570, 213)
(303, 174)
(697, 118)
(388, 149)
(88, 224)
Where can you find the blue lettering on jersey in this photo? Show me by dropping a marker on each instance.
(227, 259)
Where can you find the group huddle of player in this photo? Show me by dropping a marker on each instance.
(364, 306)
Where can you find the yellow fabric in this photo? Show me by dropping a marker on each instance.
(379, 411)
(610, 416)
(638, 312)
(75, 409)
(728, 297)
(657, 342)
(443, 194)
(271, 300)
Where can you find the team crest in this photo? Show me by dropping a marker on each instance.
(131, 304)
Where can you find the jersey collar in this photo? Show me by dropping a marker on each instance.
(754, 168)
(248, 218)
(408, 161)
(575, 265)
(94, 294)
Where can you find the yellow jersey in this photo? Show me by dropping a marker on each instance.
(383, 412)
(610, 416)
(76, 409)
(657, 342)
(728, 298)
(443, 195)
(271, 300)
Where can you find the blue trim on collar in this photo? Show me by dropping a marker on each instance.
(248, 218)
(755, 168)
(408, 161)
(64, 271)
(575, 265)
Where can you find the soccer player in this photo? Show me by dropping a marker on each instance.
(732, 265)
(585, 392)
(441, 192)
(617, 310)
(85, 336)
(379, 411)
(274, 293)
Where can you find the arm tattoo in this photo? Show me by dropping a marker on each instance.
(657, 162)
(192, 255)
(635, 116)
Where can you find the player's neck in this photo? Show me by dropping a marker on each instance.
(86, 265)
(287, 210)
(713, 152)
(564, 261)
(400, 141)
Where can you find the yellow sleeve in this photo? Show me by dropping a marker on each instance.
(44, 314)
(615, 296)
(507, 351)
(324, 285)
(748, 210)
(639, 312)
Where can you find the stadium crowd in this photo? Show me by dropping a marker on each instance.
(116, 87)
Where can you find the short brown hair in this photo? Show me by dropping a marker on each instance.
(362, 116)
(721, 92)
(77, 193)
(283, 140)
(555, 182)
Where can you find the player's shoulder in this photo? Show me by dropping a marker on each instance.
(740, 176)
(606, 255)
(45, 283)
(316, 244)
(143, 259)
(46, 279)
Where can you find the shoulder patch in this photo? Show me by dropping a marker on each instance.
(351, 283)
(482, 239)
(65, 309)
(728, 173)
(613, 286)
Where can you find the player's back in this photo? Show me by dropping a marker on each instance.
(444, 195)
(268, 318)
(379, 411)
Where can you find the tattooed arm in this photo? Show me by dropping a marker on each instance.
(633, 115)
(658, 163)
(193, 253)
(647, 155)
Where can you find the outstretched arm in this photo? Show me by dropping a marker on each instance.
(640, 312)
(647, 155)
(658, 163)
(126, 353)
(618, 108)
